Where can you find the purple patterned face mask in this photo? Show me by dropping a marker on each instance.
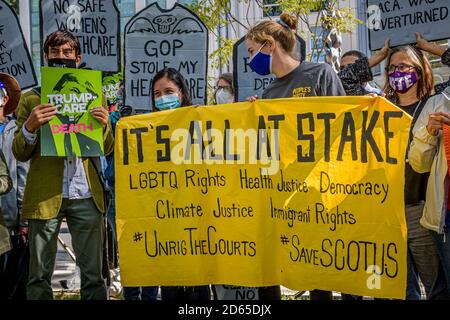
(402, 81)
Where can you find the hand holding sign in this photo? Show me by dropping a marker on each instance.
(252, 98)
(380, 55)
(430, 47)
(101, 115)
(374, 95)
(435, 122)
(40, 115)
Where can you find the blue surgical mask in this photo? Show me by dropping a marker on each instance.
(261, 63)
(171, 101)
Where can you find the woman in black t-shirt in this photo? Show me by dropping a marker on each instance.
(271, 45)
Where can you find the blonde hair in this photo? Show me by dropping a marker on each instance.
(283, 32)
(425, 83)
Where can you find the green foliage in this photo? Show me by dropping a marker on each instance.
(216, 14)
(14, 4)
(219, 57)
(222, 55)
(304, 7)
(343, 20)
(211, 12)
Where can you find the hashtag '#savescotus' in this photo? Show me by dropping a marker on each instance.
(284, 239)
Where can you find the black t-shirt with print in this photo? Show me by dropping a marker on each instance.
(308, 79)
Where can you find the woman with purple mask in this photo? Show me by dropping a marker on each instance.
(409, 84)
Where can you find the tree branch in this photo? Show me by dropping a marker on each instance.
(228, 11)
(246, 15)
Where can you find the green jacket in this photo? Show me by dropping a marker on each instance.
(43, 191)
(5, 187)
(5, 179)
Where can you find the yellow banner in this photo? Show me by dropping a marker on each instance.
(305, 193)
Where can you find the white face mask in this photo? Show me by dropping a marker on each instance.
(224, 96)
(2, 101)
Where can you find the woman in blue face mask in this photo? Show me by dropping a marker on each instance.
(169, 90)
(272, 48)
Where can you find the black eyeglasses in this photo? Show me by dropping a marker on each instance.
(222, 87)
(402, 67)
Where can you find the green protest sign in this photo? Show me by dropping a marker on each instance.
(73, 131)
(111, 85)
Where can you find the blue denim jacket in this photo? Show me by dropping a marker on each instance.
(11, 203)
